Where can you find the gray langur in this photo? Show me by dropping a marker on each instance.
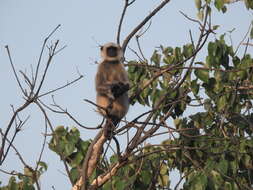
(112, 83)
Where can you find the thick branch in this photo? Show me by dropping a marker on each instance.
(102, 179)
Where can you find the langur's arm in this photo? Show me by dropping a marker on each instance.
(103, 88)
(119, 89)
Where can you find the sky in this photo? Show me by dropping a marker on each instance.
(84, 26)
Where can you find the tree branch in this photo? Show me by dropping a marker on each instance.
(146, 19)
(127, 4)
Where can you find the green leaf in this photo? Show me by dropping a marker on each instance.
(242, 74)
(69, 148)
(228, 186)
(200, 15)
(177, 123)
(207, 104)
(215, 27)
(74, 135)
(60, 130)
(233, 166)
(219, 4)
(146, 176)
(236, 61)
(84, 146)
(202, 74)
(222, 102)
(224, 9)
(28, 171)
(43, 166)
(114, 158)
(12, 184)
(223, 166)
(198, 4)
(249, 4)
(251, 32)
(74, 174)
(76, 159)
(178, 54)
(164, 169)
(163, 180)
(211, 48)
(26, 185)
(187, 50)
(195, 87)
(198, 181)
(156, 58)
(216, 179)
(247, 161)
(119, 184)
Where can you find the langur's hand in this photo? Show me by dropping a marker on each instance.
(119, 88)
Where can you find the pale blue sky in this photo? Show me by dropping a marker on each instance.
(23, 26)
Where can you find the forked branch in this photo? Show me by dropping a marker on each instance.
(145, 20)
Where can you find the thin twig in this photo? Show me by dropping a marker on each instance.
(138, 42)
(64, 111)
(14, 70)
(191, 19)
(245, 36)
(246, 47)
(51, 55)
(16, 150)
(43, 146)
(145, 20)
(41, 53)
(61, 87)
(127, 4)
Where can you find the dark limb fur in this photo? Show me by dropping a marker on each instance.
(118, 89)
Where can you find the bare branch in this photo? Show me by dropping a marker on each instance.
(139, 56)
(127, 4)
(64, 111)
(31, 97)
(27, 80)
(14, 70)
(51, 55)
(41, 53)
(247, 44)
(61, 87)
(146, 19)
(27, 103)
(243, 39)
(91, 158)
(199, 45)
(15, 149)
(191, 19)
(137, 37)
(68, 172)
(246, 47)
(59, 50)
(102, 179)
(43, 145)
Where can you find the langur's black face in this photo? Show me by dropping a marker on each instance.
(112, 51)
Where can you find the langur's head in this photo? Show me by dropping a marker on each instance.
(111, 52)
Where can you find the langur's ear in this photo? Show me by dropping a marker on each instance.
(101, 48)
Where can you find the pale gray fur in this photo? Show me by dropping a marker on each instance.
(111, 72)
